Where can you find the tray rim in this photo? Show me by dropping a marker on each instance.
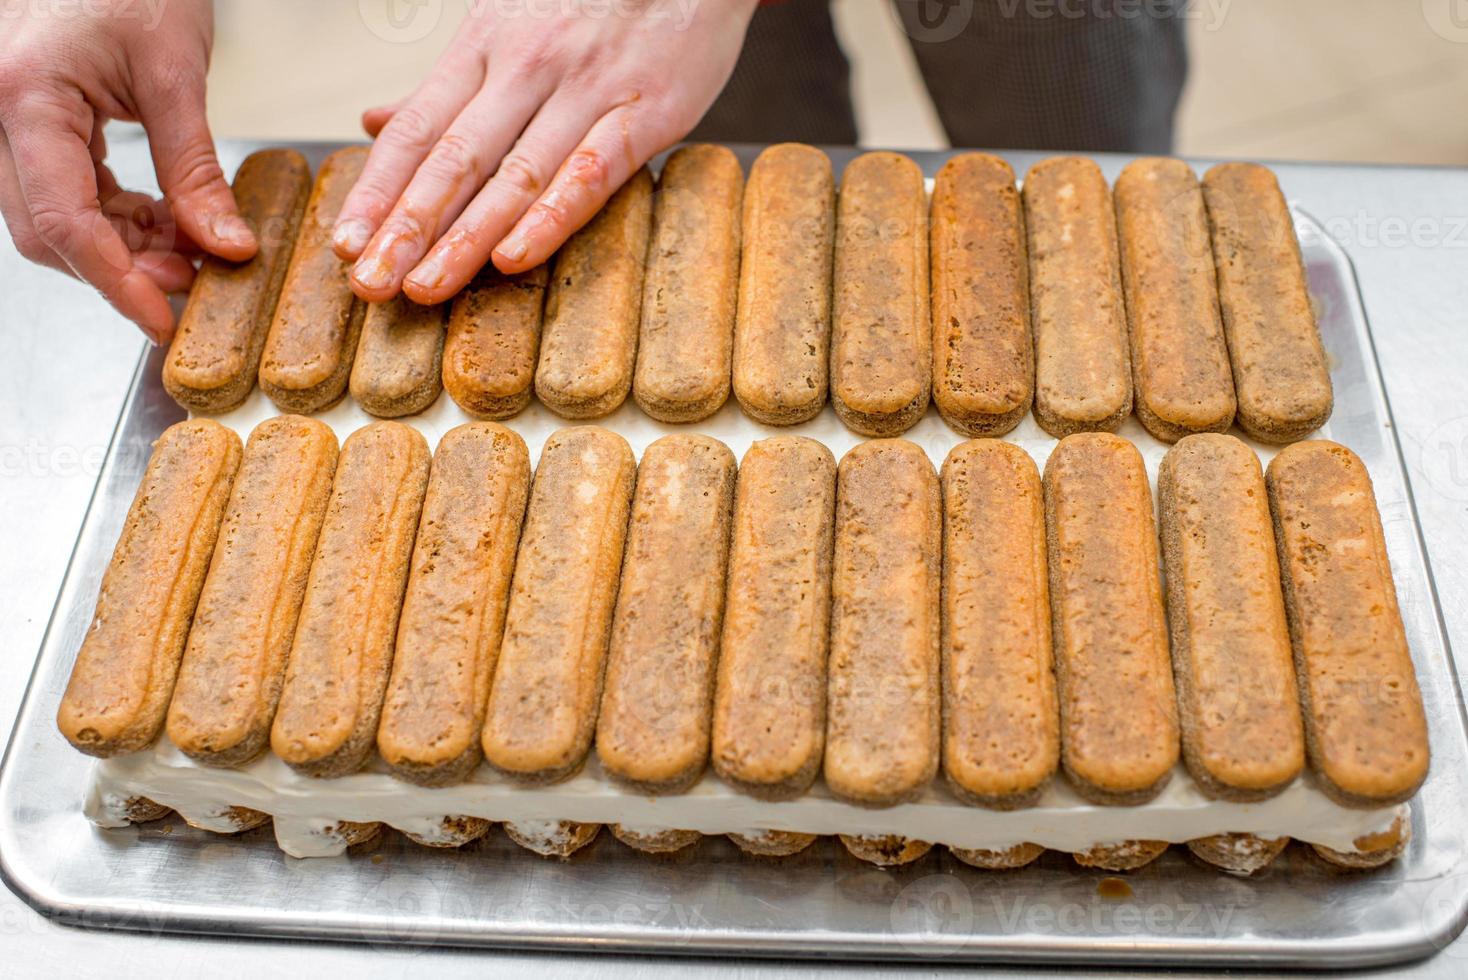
(144, 398)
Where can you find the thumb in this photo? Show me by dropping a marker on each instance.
(188, 170)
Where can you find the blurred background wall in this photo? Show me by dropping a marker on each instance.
(1347, 80)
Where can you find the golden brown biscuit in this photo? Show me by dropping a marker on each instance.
(882, 730)
(493, 338)
(1179, 357)
(453, 832)
(782, 333)
(1012, 857)
(655, 841)
(983, 356)
(1083, 369)
(653, 730)
(592, 309)
(886, 850)
(772, 843)
(770, 699)
(1118, 710)
(343, 647)
(1242, 735)
(123, 677)
(1126, 856)
(237, 819)
(398, 369)
(1001, 726)
(215, 354)
(140, 809)
(1281, 377)
(453, 616)
(881, 337)
(313, 336)
(1365, 729)
(552, 838)
(692, 287)
(1372, 850)
(543, 702)
(1240, 854)
(234, 664)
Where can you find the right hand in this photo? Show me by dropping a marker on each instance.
(63, 74)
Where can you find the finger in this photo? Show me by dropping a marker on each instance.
(55, 169)
(188, 169)
(520, 178)
(375, 118)
(18, 216)
(406, 138)
(621, 142)
(450, 176)
(144, 223)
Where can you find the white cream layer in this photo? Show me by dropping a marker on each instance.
(306, 810)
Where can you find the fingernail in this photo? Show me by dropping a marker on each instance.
(373, 273)
(351, 236)
(515, 246)
(430, 272)
(232, 228)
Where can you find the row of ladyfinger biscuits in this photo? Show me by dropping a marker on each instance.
(983, 301)
(875, 623)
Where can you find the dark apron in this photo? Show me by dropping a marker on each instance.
(1087, 75)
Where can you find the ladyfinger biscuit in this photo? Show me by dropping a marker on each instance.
(983, 356)
(493, 338)
(1242, 735)
(552, 838)
(313, 337)
(593, 306)
(1118, 710)
(1281, 378)
(1001, 727)
(782, 333)
(454, 608)
(233, 667)
(343, 647)
(1365, 730)
(1126, 856)
(655, 841)
(452, 832)
(885, 851)
(543, 703)
(772, 843)
(140, 809)
(398, 369)
(1083, 370)
(882, 732)
(770, 699)
(123, 677)
(1013, 857)
(692, 288)
(881, 338)
(215, 354)
(1240, 854)
(230, 820)
(653, 730)
(1179, 356)
(1373, 850)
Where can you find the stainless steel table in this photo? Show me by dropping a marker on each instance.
(70, 358)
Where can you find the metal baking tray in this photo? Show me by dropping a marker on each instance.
(711, 899)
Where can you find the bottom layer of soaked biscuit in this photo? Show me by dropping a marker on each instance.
(307, 811)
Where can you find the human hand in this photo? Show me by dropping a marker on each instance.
(524, 128)
(66, 69)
